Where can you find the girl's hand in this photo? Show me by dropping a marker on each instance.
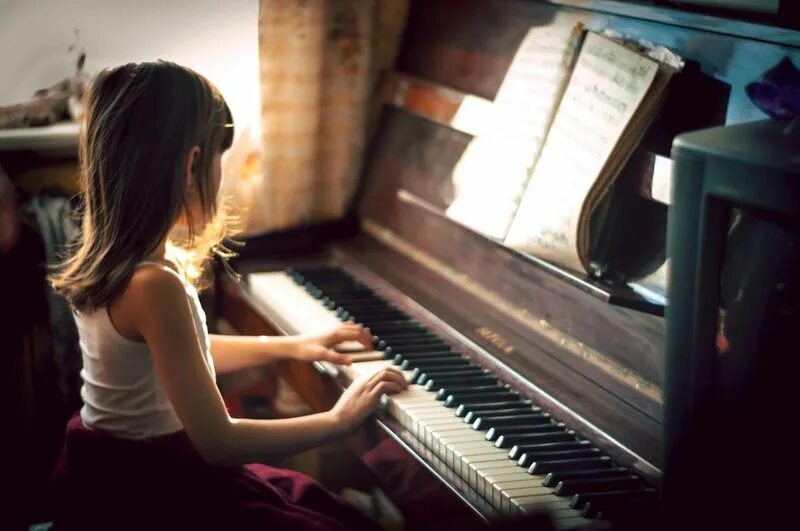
(360, 399)
(318, 348)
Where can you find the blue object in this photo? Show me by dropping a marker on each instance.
(777, 92)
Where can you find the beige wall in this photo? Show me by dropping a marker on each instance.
(218, 38)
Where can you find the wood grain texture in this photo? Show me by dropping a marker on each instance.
(585, 391)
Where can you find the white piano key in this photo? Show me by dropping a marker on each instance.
(456, 453)
(493, 484)
(440, 438)
(503, 493)
(474, 466)
(465, 455)
(290, 305)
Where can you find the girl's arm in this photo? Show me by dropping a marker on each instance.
(232, 353)
(160, 312)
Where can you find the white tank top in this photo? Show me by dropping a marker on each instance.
(121, 393)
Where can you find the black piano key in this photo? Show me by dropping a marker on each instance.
(507, 441)
(442, 385)
(398, 338)
(554, 478)
(437, 361)
(433, 359)
(442, 355)
(397, 325)
(372, 315)
(545, 467)
(421, 347)
(494, 433)
(518, 450)
(428, 341)
(410, 363)
(418, 370)
(438, 380)
(396, 341)
(454, 374)
(458, 399)
(368, 306)
(476, 408)
(384, 330)
(418, 376)
(405, 336)
(444, 362)
(527, 459)
(350, 298)
(371, 305)
(389, 324)
(598, 499)
(575, 486)
(473, 415)
(488, 420)
(372, 318)
(443, 393)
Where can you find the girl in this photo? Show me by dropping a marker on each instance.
(153, 445)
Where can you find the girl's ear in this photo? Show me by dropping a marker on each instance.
(191, 167)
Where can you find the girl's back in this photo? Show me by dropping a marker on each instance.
(120, 391)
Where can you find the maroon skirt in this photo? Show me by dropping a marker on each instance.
(103, 482)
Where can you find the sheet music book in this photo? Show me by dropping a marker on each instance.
(493, 171)
(610, 98)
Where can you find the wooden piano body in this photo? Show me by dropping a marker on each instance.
(588, 353)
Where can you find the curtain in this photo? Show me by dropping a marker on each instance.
(319, 62)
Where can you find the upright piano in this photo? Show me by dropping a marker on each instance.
(533, 388)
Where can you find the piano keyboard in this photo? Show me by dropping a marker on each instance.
(510, 452)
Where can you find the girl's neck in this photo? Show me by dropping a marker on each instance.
(159, 253)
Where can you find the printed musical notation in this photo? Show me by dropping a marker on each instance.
(493, 171)
(607, 86)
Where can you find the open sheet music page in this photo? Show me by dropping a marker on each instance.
(608, 84)
(492, 173)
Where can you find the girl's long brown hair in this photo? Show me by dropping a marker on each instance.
(140, 123)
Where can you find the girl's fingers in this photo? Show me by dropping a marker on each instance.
(335, 357)
(352, 333)
(388, 388)
(389, 375)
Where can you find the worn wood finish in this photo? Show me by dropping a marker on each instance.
(518, 355)
(532, 366)
(455, 45)
(412, 161)
(435, 102)
(415, 156)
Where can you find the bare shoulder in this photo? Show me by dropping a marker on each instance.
(155, 283)
(153, 295)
